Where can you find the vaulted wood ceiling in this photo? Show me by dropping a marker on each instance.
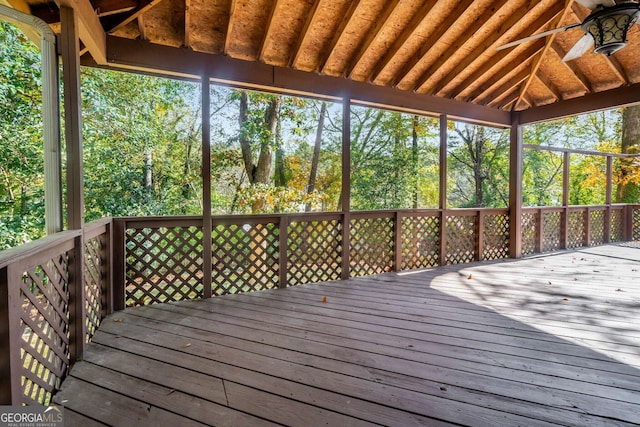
(443, 48)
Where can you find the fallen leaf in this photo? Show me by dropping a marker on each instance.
(171, 391)
(118, 319)
(549, 283)
(470, 277)
(443, 388)
(565, 299)
(187, 345)
(619, 290)
(324, 299)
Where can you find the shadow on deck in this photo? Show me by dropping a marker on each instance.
(548, 340)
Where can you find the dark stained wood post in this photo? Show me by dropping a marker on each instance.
(515, 190)
(479, 236)
(118, 262)
(587, 227)
(607, 197)
(397, 241)
(564, 216)
(70, 51)
(443, 189)
(10, 364)
(108, 270)
(346, 186)
(540, 232)
(283, 258)
(206, 188)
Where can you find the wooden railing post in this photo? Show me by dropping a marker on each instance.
(77, 311)
(587, 227)
(607, 225)
(118, 263)
(346, 246)
(283, 242)
(397, 241)
(443, 237)
(515, 190)
(564, 227)
(9, 340)
(479, 236)
(540, 232)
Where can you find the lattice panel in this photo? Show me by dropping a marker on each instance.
(577, 230)
(461, 239)
(552, 225)
(163, 264)
(420, 242)
(315, 251)
(636, 225)
(371, 241)
(529, 232)
(495, 237)
(245, 258)
(616, 229)
(44, 322)
(94, 283)
(597, 228)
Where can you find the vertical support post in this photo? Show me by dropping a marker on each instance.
(70, 48)
(10, 306)
(442, 204)
(515, 190)
(346, 186)
(564, 216)
(118, 263)
(607, 224)
(397, 241)
(587, 227)
(206, 188)
(540, 234)
(607, 197)
(479, 237)
(283, 237)
(107, 294)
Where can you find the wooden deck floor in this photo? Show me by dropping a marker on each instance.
(552, 340)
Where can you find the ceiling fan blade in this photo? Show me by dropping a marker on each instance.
(592, 4)
(579, 49)
(537, 36)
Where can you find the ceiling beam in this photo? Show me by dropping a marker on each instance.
(572, 67)
(372, 34)
(468, 33)
(322, 63)
(110, 7)
(496, 95)
(230, 24)
(164, 60)
(433, 38)
(142, 28)
(406, 33)
(303, 34)
(269, 29)
(187, 23)
(498, 56)
(112, 25)
(548, 84)
(89, 28)
(614, 98)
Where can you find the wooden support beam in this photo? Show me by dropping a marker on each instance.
(496, 95)
(565, 178)
(142, 28)
(230, 24)
(207, 224)
(90, 30)
(442, 195)
(301, 40)
(515, 190)
(572, 67)
(118, 22)
(548, 84)
(322, 63)
(434, 37)
(345, 196)
(406, 33)
(609, 188)
(372, 34)
(269, 29)
(187, 23)
(112, 7)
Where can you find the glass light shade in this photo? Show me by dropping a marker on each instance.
(609, 26)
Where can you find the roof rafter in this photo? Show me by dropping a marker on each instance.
(267, 33)
(498, 57)
(548, 84)
(573, 68)
(464, 38)
(408, 31)
(187, 23)
(372, 34)
(322, 64)
(433, 38)
(505, 88)
(300, 41)
(89, 28)
(227, 36)
(487, 44)
(118, 22)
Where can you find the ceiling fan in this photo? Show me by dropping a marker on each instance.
(606, 26)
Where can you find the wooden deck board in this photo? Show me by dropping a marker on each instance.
(434, 347)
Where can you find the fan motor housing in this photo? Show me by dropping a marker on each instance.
(609, 26)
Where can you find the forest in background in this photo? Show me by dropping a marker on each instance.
(271, 153)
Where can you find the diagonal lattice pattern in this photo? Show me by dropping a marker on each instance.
(315, 251)
(461, 239)
(552, 226)
(420, 242)
(371, 246)
(94, 283)
(163, 264)
(635, 226)
(597, 227)
(577, 230)
(44, 322)
(245, 257)
(529, 232)
(616, 228)
(495, 237)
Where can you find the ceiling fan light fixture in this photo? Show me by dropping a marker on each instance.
(609, 26)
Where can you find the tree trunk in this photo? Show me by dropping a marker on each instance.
(280, 179)
(245, 144)
(627, 190)
(311, 187)
(148, 172)
(262, 172)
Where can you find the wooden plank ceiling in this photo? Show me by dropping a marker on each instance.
(438, 47)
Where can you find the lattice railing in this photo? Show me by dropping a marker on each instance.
(552, 231)
(616, 225)
(635, 224)
(164, 263)
(420, 236)
(371, 244)
(576, 232)
(495, 236)
(461, 232)
(530, 230)
(596, 219)
(314, 251)
(96, 286)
